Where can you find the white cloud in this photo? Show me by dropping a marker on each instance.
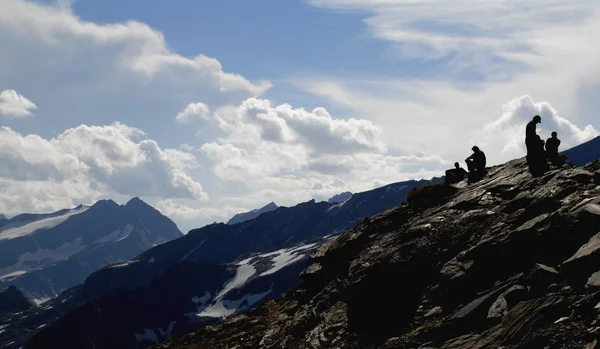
(194, 111)
(100, 159)
(485, 54)
(494, 37)
(315, 130)
(509, 128)
(15, 105)
(290, 155)
(180, 211)
(126, 47)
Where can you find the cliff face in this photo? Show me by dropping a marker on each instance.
(508, 262)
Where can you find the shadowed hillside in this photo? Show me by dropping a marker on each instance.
(508, 262)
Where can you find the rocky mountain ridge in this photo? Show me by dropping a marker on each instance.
(45, 254)
(508, 262)
(246, 216)
(209, 274)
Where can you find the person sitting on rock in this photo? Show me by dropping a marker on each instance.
(552, 145)
(536, 158)
(476, 163)
(455, 175)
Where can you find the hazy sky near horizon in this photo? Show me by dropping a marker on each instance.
(208, 108)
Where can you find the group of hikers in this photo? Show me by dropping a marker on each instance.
(539, 153)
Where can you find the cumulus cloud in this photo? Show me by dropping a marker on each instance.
(12, 104)
(102, 159)
(176, 210)
(194, 111)
(292, 153)
(509, 128)
(316, 130)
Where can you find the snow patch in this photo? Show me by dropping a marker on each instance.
(283, 258)
(41, 258)
(117, 235)
(192, 251)
(157, 335)
(121, 265)
(14, 273)
(42, 224)
(39, 301)
(201, 300)
(223, 308)
(338, 205)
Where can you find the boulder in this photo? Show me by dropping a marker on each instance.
(540, 278)
(506, 300)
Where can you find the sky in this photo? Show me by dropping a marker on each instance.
(209, 108)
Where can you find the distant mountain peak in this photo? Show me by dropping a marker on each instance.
(339, 198)
(103, 203)
(12, 299)
(134, 200)
(2, 216)
(246, 216)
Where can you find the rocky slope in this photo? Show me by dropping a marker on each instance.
(45, 254)
(581, 154)
(508, 262)
(207, 275)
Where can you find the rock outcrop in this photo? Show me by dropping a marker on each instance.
(508, 262)
(13, 300)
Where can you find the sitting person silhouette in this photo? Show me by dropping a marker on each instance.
(552, 145)
(455, 175)
(536, 157)
(476, 163)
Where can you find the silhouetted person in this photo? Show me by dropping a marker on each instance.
(530, 132)
(552, 145)
(536, 155)
(476, 163)
(455, 175)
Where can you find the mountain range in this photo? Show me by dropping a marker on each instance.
(45, 254)
(510, 261)
(203, 277)
(218, 271)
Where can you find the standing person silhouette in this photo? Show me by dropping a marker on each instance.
(536, 157)
(531, 134)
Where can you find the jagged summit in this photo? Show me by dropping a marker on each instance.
(508, 262)
(243, 217)
(339, 198)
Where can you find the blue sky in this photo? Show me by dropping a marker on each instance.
(206, 109)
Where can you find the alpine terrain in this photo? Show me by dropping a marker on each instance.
(203, 277)
(508, 262)
(45, 254)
